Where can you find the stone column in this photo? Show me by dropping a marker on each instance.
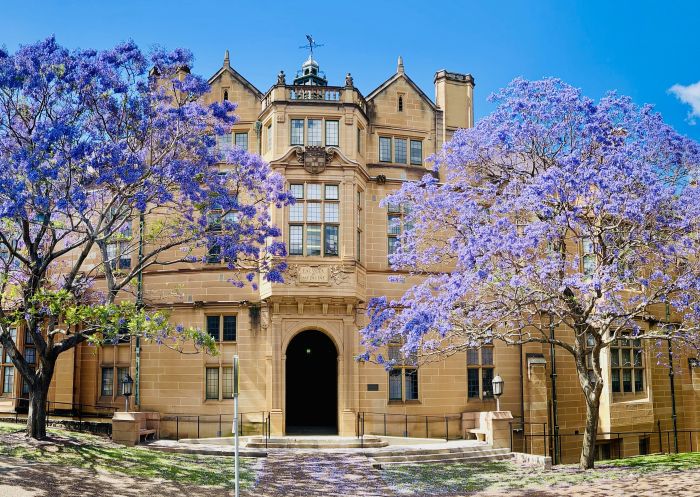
(276, 413)
(347, 369)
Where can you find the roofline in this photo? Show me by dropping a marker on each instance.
(393, 78)
(237, 76)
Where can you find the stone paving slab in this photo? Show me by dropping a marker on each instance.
(301, 473)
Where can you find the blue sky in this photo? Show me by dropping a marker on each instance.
(639, 48)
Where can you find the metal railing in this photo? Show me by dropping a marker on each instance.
(218, 425)
(312, 93)
(519, 429)
(408, 425)
(75, 411)
(657, 441)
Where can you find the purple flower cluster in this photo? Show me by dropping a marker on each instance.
(555, 207)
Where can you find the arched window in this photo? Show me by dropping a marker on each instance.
(225, 95)
(400, 103)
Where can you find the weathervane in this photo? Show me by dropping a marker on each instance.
(311, 45)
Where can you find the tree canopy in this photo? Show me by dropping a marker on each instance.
(110, 156)
(554, 210)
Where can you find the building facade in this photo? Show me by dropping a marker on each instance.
(342, 153)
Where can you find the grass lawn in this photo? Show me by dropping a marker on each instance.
(450, 479)
(84, 450)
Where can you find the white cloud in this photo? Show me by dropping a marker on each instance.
(689, 95)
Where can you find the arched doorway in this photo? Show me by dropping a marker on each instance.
(312, 385)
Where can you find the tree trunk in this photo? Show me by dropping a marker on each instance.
(589, 435)
(36, 418)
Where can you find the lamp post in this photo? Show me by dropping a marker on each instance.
(497, 386)
(127, 385)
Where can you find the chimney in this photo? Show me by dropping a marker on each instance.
(454, 93)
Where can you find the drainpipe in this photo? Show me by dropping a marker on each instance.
(555, 422)
(673, 388)
(139, 306)
(522, 388)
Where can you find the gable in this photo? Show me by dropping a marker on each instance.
(239, 91)
(417, 110)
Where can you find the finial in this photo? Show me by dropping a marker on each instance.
(399, 68)
(227, 62)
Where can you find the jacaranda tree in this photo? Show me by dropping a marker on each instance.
(106, 157)
(554, 212)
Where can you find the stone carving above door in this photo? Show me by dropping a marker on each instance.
(317, 274)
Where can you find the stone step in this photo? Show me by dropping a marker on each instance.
(204, 450)
(409, 451)
(431, 455)
(442, 459)
(315, 443)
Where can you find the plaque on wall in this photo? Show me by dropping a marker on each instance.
(372, 387)
(313, 274)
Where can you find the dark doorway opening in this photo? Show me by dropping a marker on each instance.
(312, 385)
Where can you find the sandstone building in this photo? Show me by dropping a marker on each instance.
(341, 153)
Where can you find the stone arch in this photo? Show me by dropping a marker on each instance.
(311, 383)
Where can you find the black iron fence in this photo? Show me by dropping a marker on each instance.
(75, 414)
(535, 438)
(179, 426)
(409, 425)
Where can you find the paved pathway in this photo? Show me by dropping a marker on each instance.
(300, 473)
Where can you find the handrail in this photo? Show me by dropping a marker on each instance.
(219, 417)
(55, 402)
(426, 419)
(617, 435)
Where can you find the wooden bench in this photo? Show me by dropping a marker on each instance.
(145, 430)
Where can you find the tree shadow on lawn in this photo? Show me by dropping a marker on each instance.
(100, 454)
(655, 463)
(444, 479)
(24, 478)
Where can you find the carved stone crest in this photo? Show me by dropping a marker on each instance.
(315, 159)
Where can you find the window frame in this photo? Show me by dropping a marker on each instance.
(394, 212)
(207, 384)
(588, 254)
(238, 134)
(268, 141)
(360, 198)
(635, 348)
(315, 134)
(221, 318)
(385, 140)
(305, 229)
(224, 382)
(402, 370)
(326, 122)
(418, 162)
(480, 366)
(104, 369)
(292, 141)
(6, 362)
(400, 153)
